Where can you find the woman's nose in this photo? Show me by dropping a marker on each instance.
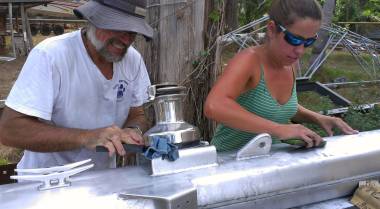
(299, 49)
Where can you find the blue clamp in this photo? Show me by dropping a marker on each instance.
(160, 147)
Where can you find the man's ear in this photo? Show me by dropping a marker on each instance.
(271, 28)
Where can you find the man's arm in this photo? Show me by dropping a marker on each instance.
(26, 132)
(136, 118)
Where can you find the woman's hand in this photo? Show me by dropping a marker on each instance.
(328, 123)
(298, 131)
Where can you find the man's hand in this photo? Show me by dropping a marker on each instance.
(112, 138)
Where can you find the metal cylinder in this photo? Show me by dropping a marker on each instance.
(169, 108)
(167, 100)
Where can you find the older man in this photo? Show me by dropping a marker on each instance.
(81, 90)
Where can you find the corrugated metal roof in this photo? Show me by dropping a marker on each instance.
(59, 9)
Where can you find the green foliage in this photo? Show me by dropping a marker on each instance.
(345, 10)
(341, 64)
(214, 16)
(315, 102)
(361, 94)
(328, 74)
(357, 10)
(252, 10)
(364, 121)
(3, 161)
(357, 119)
(200, 58)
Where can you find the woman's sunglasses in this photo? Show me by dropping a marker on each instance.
(295, 40)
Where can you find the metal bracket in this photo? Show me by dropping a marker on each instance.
(53, 177)
(258, 146)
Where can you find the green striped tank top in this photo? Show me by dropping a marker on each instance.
(260, 102)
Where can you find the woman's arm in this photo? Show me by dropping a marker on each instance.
(238, 77)
(222, 107)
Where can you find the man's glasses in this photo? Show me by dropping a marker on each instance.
(295, 40)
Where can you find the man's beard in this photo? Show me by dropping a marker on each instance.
(101, 47)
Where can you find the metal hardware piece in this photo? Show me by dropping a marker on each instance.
(258, 146)
(167, 100)
(153, 90)
(53, 177)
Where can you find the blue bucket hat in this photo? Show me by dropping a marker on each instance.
(118, 15)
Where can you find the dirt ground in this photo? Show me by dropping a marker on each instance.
(10, 70)
(8, 74)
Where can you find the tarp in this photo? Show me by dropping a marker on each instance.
(367, 196)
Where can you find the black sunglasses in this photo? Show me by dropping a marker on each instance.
(295, 40)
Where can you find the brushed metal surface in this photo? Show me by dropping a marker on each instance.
(287, 177)
(173, 195)
(169, 108)
(189, 159)
(170, 123)
(176, 133)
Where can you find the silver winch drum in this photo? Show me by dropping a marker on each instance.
(167, 101)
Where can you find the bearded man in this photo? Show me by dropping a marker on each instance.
(81, 90)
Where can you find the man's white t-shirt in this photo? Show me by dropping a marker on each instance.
(61, 85)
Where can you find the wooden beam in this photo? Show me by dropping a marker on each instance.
(11, 25)
(24, 1)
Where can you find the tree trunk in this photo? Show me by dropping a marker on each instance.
(323, 35)
(212, 30)
(363, 3)
(231, 15)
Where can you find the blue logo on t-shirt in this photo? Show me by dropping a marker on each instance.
(120, 91)
(121, 88)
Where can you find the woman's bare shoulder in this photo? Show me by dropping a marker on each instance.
(251, 52)
(247, 59)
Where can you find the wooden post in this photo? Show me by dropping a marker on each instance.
(23, 26)
(2, 30)
(177, 42)
(10, 9)
(26, 33)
